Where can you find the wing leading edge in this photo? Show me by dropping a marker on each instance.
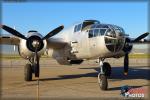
(9, 40)
(56, 43)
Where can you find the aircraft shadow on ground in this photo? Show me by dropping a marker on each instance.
(117, 74)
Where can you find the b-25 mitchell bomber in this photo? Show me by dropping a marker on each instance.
(87, 40)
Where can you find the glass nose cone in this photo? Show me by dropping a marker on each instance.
(114, 44)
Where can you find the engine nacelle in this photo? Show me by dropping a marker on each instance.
(26, 50)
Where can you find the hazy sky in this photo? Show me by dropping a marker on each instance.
(44, 16)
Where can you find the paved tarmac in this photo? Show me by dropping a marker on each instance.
(71, 82)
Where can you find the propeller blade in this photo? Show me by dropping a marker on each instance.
(126, 63)
(12, 31)
(141, 37)
(54, 32)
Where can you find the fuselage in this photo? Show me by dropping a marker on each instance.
(91, 39)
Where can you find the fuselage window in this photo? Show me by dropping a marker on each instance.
(91, 33)
(96, 32)
(102, 31)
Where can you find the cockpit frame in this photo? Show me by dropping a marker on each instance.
(105, 30)
(84, 24)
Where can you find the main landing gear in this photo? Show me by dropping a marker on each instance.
(105, 72)
(33, 67)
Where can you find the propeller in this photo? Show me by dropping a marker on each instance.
(32, 38)
(18, 34)
(34, 43)
(126, 63)
(13, 31)
(53, 32)
(128, 47)
(141, 37)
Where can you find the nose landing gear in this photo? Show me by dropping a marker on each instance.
(28, 72)
(105, 72)
(32, 68)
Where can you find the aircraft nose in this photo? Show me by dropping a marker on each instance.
(114, 44)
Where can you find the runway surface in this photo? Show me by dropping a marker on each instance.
(71, 82)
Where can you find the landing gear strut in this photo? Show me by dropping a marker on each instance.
(32, 68)
(105, 72)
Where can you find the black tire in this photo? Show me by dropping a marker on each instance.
(28, 72)
(107, 69)
(36, 70)
(103, 84)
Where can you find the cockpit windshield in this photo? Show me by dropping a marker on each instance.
(99, 26)
(105, 29)
(97, 30)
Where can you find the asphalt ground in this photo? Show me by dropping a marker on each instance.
(71, 82)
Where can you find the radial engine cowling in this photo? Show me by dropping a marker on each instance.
(34, 42)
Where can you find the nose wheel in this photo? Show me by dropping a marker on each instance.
(29, 69)
(32, 68)
(28, 72)
(105, 72)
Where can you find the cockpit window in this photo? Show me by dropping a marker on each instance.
(99, 26)
(78, 27)
(102, 26)
(91, 33)
(99, 29)
(94, 26)
(96, 32)
(75, 29)
(102, 31)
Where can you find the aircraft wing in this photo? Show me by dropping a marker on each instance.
(9, 39)
(56, 43)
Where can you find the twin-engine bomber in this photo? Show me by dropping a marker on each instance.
(87, 40)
